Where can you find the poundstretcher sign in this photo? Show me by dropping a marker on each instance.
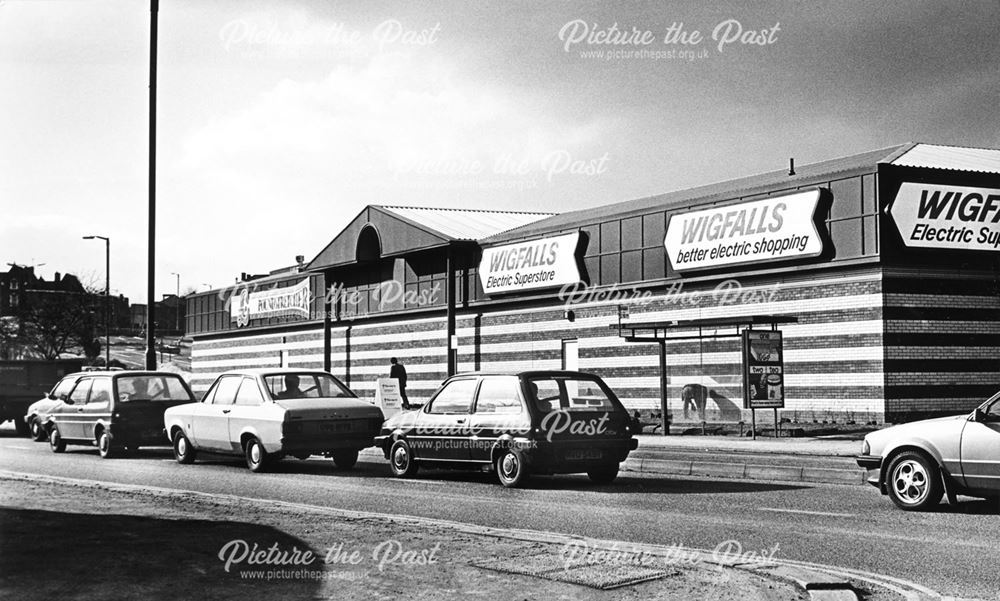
(774, 229)
(955, 217)
(529, 265)
(274, 302)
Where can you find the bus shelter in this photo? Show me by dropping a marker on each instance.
(664, 332)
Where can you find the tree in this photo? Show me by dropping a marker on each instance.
(56, 321)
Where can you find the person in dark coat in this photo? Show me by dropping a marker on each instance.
(399, 372)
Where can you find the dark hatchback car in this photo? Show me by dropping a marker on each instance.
(116, 411)
(542, 422)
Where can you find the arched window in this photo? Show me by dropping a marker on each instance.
(369, 245)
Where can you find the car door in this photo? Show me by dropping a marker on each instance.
(210, 424)
(498, 411)
(981, 449)
(249, 411)
(98, 407)
(443, 431)
(68, 416)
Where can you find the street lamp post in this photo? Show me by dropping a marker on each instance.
(107, 296)
(177, 310)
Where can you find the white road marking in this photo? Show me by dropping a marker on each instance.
(18, 447)
(407, 481)
(804, 512)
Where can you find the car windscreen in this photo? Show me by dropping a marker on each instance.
(147, 387)
(569, 393)
(305, 386)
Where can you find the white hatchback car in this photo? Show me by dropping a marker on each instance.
(266, 414)
(916, 463)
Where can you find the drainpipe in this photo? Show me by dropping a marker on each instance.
(450, 300)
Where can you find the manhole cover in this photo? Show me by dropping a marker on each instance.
(603, 576)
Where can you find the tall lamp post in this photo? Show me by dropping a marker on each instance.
(177, 311)
(107, 296)
(154, 8)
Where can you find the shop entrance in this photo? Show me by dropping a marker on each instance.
(719, 386)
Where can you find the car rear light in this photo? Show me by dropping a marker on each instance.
(866, 448)
(291, 428)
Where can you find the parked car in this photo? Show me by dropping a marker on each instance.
(115, 410)
(916, 463)
(38, 412)
(543, 422)
(266, 414)
(23, 381)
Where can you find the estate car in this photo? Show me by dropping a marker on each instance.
(115, 410)
(38, 412)
(266, 414)
(542, 422)
(916, 463)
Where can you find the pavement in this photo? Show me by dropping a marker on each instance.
(818, 459)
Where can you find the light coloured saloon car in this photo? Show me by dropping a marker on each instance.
(916, 463)
(267, 414)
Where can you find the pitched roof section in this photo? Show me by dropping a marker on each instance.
(805, 175)
(955, 158)
(462, 224)
(407, 229)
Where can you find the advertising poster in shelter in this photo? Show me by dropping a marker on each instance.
(763, 370)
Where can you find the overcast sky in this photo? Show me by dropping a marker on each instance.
(280, 120)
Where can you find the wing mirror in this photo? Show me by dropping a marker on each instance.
(981, 416)
(68, 401)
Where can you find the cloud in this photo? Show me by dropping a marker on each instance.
(295, 164)
(392, 117)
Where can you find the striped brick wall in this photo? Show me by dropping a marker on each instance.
(942, 341)
(833, 355)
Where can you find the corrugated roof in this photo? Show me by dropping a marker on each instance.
(746, 186)
(956, 158)
(460, 224)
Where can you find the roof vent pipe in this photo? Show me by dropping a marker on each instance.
(791, 166)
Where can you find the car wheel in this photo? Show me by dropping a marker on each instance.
(346, 458)
(21, 427)
(183, 451)
(401, 460)
(257, 458)
(603, 475)
(56, 442)
(37, 431)
(105, 446)
(511, 469)
(913, 481)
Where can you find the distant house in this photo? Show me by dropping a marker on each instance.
(20, 288)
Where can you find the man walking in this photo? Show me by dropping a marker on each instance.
(399, 372)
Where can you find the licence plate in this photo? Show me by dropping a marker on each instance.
(335, 427)
(581, 454)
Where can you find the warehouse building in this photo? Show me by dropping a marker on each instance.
(880, 270)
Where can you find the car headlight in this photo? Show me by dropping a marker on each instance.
(866, 448)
